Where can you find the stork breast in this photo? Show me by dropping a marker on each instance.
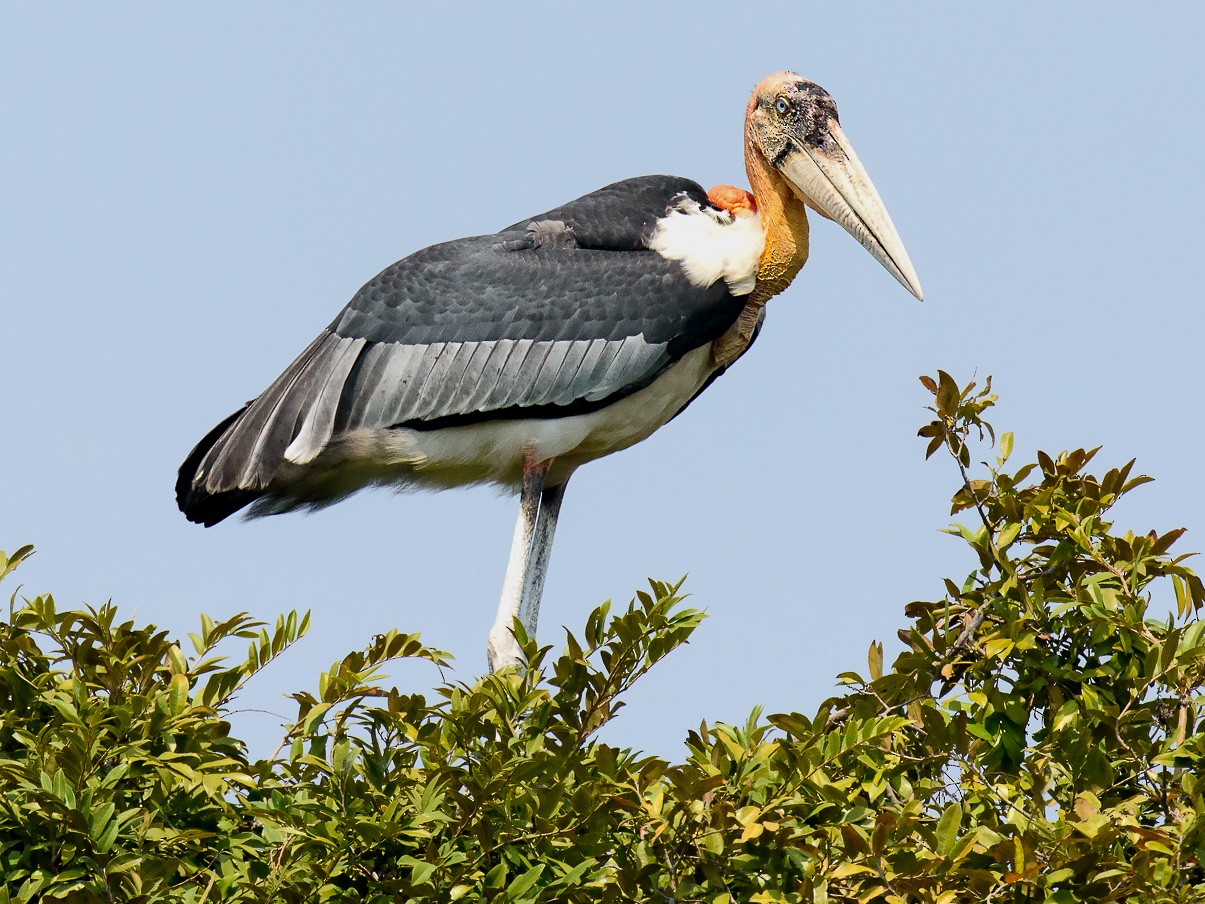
(711, 245)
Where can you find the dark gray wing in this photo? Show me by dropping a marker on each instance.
(618, 217)
(538, 320)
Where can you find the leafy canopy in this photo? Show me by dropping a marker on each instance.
(1037, 739)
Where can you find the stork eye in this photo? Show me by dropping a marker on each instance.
(782, 105)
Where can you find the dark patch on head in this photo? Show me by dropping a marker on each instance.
(810, 111)
(781, 155)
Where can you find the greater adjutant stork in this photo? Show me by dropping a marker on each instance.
(516, 357)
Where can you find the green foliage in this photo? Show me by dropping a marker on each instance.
(1037, 739)
(118, 774)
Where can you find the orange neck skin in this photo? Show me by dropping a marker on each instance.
(785, 220)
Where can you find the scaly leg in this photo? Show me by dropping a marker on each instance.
(528, 565)
(541, 552)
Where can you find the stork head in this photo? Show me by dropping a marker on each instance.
(791, 125)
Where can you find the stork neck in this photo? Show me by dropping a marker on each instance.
(785, 220)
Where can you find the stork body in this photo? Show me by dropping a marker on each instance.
(514, 358)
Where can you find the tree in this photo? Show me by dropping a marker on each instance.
(1038, 739)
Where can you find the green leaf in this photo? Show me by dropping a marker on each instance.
(8, 563)
(1006, 446)
(521, 885)
(948, 395)
(875, 661)
(947, 829)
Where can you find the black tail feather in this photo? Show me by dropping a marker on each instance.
(198, 505)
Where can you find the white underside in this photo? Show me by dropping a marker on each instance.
(493, 452)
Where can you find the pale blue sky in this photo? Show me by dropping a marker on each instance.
(190, 193)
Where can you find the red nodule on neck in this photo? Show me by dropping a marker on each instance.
(735, 200)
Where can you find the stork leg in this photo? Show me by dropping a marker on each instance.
(541, 553)
(530, 551)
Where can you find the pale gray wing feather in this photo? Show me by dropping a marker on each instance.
(251, 449)
(504, 391)
(374, 365)
(318, 425)
(560, 393)
(474, 398)
(545, 384)
(597, 359)
(630, 362)
(442, 369)
(524, 379)
(463, 375)
(414, 378)
(406, 385)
